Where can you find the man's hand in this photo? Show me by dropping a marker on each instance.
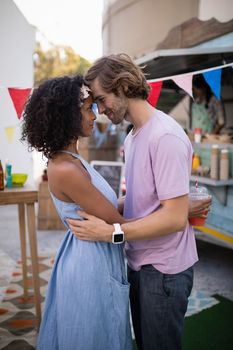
(199, 208)
(91, 228)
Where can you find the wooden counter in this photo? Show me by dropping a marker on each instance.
(25, 197)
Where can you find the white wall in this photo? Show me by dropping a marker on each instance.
(137, 27)
(17, 43)
(221, 10)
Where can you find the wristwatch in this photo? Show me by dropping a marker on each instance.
(118, 234)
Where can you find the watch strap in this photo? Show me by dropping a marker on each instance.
(118, 234)
(117, 228)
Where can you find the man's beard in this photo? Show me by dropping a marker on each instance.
(119, 113)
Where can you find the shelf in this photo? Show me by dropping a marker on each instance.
(211, 182)
(205, 145)
(218, 188)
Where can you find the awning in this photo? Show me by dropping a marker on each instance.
(169, 62)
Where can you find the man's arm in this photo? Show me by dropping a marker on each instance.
(95, 229)
(79, 189)
(171, 217)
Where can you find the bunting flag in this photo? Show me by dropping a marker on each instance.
(154, 92)
(9, 131)
(213, 79)
(185, 83)
(19, 98)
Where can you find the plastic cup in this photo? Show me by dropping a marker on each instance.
(198, 193)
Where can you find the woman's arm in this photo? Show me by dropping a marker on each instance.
(171, 217)
(216, 108)
(75, 184)
(121, 202)
(153, 225)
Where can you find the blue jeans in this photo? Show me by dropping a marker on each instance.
(158, 305)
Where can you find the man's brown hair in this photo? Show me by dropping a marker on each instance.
(117, 72)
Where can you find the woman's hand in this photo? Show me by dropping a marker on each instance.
(199, 208)
(91, 228)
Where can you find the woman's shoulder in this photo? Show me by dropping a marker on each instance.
(66, 176)
(61, 168)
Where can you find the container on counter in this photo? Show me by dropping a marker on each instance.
(214, 162)
(1, 177)
(196, 162)
(224, 165)
(8, 175)
(197, 135)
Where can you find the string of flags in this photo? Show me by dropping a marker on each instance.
(212, 76)
(10, 131)
(19, 98)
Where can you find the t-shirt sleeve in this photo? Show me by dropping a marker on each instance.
(171, 164)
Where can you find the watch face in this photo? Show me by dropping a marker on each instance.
(118, 238)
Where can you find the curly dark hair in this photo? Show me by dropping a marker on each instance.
(52, 116)
(117, 71)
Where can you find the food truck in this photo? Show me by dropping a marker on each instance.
(163, 65)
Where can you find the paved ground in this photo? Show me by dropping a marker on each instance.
(213, 272)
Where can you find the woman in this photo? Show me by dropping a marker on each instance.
(87, 302)
(207, 112)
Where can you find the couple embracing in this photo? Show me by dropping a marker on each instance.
(87, 302)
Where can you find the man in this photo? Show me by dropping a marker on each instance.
(160, 245)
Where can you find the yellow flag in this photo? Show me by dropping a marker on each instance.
(10, 133)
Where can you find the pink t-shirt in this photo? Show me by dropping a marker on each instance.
(158, 159)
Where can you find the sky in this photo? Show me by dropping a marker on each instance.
(75, 23)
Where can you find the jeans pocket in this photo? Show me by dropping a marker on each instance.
(178, 284)
(152, 281)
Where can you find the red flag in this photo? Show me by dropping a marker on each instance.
(19, 97)
(155, 92)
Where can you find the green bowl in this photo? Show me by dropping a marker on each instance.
(19, 179)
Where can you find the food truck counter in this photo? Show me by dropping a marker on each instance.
(219, 224)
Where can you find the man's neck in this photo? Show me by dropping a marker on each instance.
(139, 112)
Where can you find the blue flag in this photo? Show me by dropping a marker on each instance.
(213, 79)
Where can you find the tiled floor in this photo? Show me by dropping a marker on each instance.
(48, 242)
(213, 272)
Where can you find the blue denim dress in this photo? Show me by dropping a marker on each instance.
(87, 302)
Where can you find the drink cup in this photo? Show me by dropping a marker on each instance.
(198, 193)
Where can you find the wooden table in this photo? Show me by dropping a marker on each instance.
(25, 197)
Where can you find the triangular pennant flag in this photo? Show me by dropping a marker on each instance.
(19, 97)
(184, 82)
(9, 133)
(154, 92)
(213, 79)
